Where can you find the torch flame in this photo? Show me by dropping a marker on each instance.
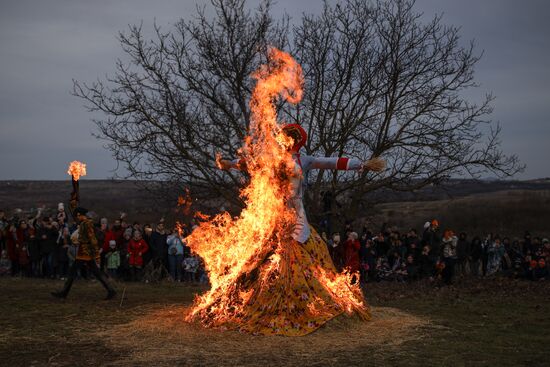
(77, 169)
(251, 247)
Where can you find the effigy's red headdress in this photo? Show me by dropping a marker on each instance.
(296, 132)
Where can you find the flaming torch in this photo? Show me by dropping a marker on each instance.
(76, 170)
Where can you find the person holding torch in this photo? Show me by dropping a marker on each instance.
(84, 237)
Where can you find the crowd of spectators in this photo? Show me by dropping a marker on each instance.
(438, 255)
(41, 246)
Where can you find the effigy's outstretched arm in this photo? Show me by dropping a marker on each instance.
(347, 164)
(227, 164)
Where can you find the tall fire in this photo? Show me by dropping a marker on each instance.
(262, 280)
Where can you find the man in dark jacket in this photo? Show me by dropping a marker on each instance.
(47, 237)
(476, 252)
(432, 238)
(426, 263)
(159, 251)
(462, 254)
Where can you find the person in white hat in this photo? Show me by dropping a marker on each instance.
(61, 215)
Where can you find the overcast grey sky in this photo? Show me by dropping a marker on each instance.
(46, 44)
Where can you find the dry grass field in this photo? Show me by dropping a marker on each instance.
(491, 322)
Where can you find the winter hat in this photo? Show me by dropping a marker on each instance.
(296, 132)
(448, 233)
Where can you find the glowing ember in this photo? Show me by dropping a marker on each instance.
(77, 169)
(253, 255)
(185, 202)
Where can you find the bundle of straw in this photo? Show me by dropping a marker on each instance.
(375, 164)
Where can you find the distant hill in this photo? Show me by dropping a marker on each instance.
(506, 207)
(456, 188)
(506, 212)
(104, 197)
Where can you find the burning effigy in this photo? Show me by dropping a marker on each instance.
(269, 270)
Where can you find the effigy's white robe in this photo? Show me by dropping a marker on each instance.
(305, 163)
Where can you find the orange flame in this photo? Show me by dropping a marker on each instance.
(233, 247)
(77, 169)
(185, 202)
(219, 160)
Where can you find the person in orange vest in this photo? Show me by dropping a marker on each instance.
(87, 255)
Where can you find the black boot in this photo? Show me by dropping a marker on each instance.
(65, 291)
(111, 293)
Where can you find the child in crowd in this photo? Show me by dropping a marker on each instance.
(400, 274)
(336, 251)
(191, 266)
(411, 268)
(124, 268)
(540, 272)
(112, 258)
(383, 269)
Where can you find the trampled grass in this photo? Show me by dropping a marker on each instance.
(490, 322)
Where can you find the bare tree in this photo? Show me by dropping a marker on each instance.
(378, 82)
(183, 96)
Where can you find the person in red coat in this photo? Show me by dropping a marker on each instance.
(137, 247)
(115, 233)
(351, 252)
(23, 235)
(12, 245)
